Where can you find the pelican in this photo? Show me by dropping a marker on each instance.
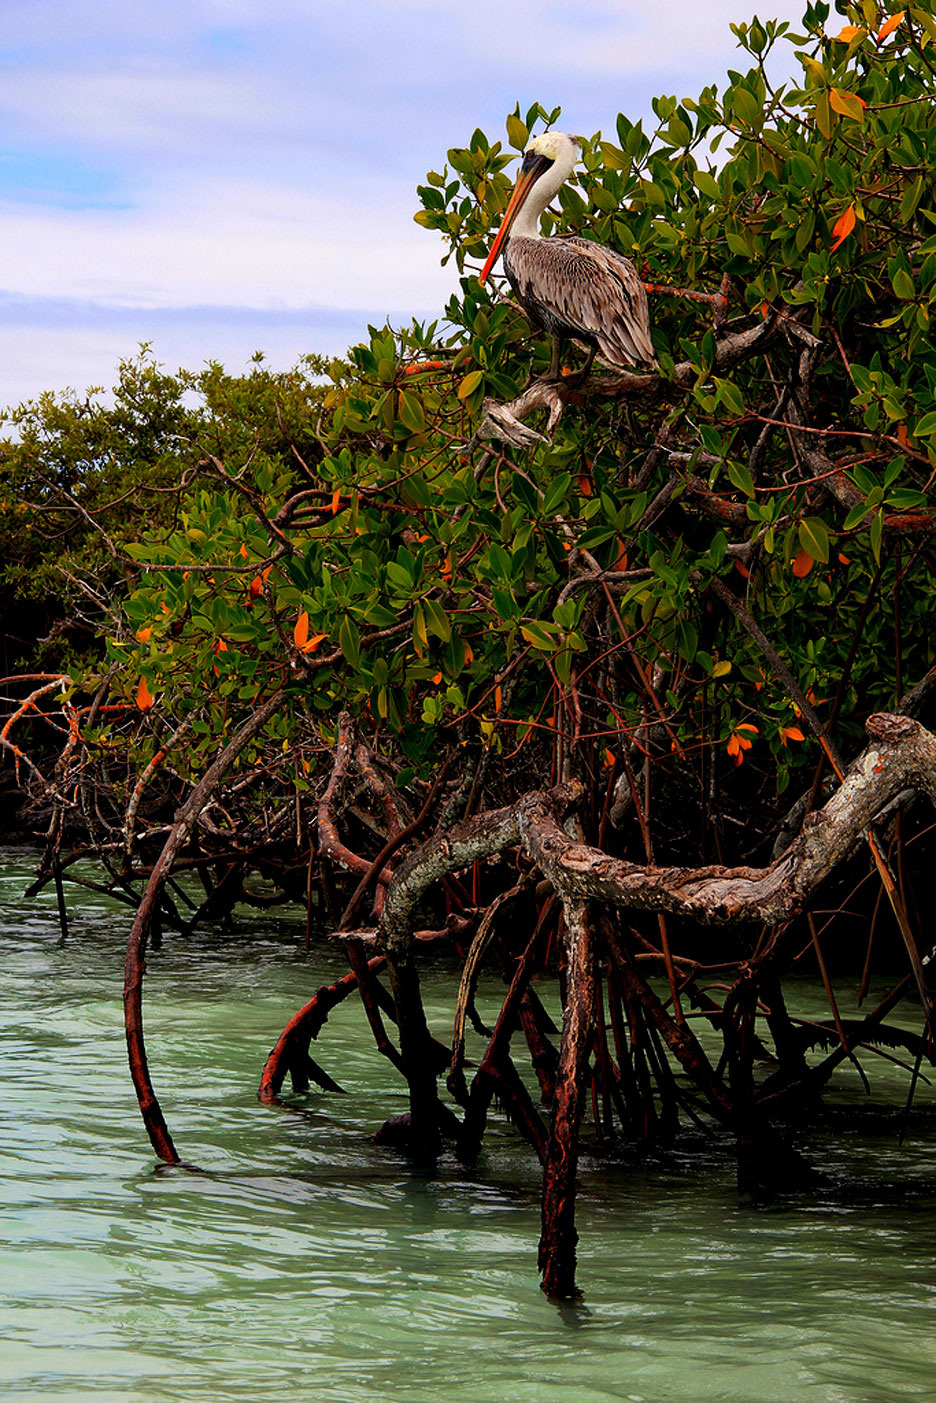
(570, 286)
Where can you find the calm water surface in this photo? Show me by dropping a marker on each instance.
(308, 1263)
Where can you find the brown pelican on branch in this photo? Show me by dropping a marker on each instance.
(570, 286)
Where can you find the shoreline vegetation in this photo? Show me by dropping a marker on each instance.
(626, 680)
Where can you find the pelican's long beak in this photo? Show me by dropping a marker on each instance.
(533, 167)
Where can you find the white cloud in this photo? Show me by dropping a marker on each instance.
(226, 243)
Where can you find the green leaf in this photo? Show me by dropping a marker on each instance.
(539, 635)
(411, 412)
(746, 107)
(814, 538)
(902, 283)
(349, 641)
(739, 477)
(437, 621)
(517, 132)
(707, 183)
(557, 492)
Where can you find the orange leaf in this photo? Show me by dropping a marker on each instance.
(437, 678)
(335, 501)
(890, 25)
(143, 634)
(584, 485)
(498, 698)
(846, 35)
(802, 564)
(144, 698)
(220, 647)
(255, 587)
(469, 654)
(843, 227)
(301, 631)
(313, 642)
(243, 550)
(421, 365)
(791, 733)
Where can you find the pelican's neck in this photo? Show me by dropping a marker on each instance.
(526, 222)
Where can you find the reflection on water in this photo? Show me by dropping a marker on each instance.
(307, 1263)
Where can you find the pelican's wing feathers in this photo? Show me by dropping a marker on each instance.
(591, 290)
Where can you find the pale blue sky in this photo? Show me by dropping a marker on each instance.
(225, 176)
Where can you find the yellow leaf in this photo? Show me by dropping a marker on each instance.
(144, 698)
(890, 25)
(843, 227)
(470, 383)
(847, 104)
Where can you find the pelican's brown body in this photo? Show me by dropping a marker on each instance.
(570, 286)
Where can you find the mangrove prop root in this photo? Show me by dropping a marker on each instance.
(292, 1045)
(135, 964)
(496, 1073)
(559, 1237)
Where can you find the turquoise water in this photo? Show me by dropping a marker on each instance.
(306, 1262)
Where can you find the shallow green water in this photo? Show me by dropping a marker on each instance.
(309, 1263)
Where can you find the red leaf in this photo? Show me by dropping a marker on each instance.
(843, 227)
(144, 698)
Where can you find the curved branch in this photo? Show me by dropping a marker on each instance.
(135, 965)
(902, 755)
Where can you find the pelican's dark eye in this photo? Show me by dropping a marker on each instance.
(535, 160)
